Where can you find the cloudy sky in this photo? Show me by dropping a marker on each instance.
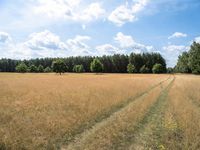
(61, 28)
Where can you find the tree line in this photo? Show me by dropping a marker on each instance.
(189, 62)
(118, 63)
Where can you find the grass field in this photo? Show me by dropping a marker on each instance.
(108, 111)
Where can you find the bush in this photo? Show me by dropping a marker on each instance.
(21, 68)
(78, 68)
(96, 66)
(130, 68)
(158, 68)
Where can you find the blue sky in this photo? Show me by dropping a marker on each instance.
(61, 28)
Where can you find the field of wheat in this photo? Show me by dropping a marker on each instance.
(108, 111)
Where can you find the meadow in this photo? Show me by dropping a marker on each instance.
(104, 111)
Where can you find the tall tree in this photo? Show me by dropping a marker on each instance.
(21, 68)
(96, 66)
(194, 58)
(183, 63)
(59, 66)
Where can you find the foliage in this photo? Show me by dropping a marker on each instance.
(189, 61)
(158, 68)
(144, 69)
(59, 66)
(130, 68)
(33, 68)
(96, 66)
(21, 68)
(194, 58)
(78, 68)
(47, 70)
(40, 68)
(111, 64)
(183, 63)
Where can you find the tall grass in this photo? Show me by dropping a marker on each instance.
(40, 109)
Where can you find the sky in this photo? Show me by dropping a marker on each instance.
(62, 28)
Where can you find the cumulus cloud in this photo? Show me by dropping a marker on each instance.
(177, 35)
(121, 15)
(197, 39)
(4, 37)
(171, 53)
(78, 47)
(44, 40)
(124, 40)
(127, 42)
(68, 10)
(126, 13)
(108, 49)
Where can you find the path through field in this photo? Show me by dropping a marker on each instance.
(135, 125)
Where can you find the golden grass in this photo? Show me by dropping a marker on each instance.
(184, 99)
(111, 133)
(37, 109)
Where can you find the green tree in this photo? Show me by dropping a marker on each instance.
(78, 68)
(130, 68)
(40, 68)
(194, 58)
(22, 67)
(59, 66)
(158, 68)
(47, 69)
(183, 63)
(33, 68)
(96, 66)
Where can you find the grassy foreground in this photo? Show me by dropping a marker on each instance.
(109, 111)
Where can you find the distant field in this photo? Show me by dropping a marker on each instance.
(108, 111)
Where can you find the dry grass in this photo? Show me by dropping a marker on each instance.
(47, 111)
(112, 133)
(184, 99)
(38, 109)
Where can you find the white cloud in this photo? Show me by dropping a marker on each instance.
(94, 11)
(121, 15)
(197, 39)
(127, 42)
(177, 35)
(108, 49)
(44, 40)
(4, 37)
(175, 48)
(126, 13)
(171, 53)
(77, 46)
(68, 10)
(124, 40)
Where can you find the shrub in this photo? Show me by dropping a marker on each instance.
(130, 68)
(78, 68)
(21, 68)
(96, 66)
(158, 68)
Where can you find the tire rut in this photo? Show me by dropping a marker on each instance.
(148, 133)
(102, 121)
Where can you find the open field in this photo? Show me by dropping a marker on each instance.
(109, 111)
